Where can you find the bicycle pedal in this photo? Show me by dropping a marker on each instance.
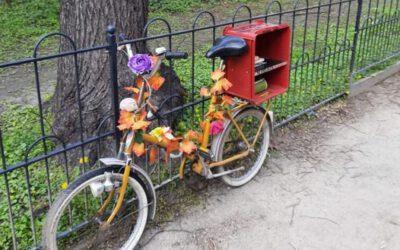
(224, 173)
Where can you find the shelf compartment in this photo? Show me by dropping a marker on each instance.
(264, 40)
(270, 92)
(270, 65)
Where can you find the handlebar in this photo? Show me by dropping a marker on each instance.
(175, 55)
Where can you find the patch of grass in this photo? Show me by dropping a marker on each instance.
(23, 23)
(19, 131)
(20, 128)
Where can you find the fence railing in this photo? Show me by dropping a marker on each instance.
(333, 42)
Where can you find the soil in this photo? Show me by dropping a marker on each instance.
(18, 86)
(332, 184)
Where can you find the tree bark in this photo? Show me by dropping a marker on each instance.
(86, 22)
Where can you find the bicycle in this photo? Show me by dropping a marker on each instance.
(235, 153)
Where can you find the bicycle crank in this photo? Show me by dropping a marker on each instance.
(212, 176)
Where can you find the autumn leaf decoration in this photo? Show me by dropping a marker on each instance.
(220, 84)
(138, 149)
(129, 120)
(187, 146)
(136, 123)
(156, 81)
(134, 119)
(165, 136)
(219, 101)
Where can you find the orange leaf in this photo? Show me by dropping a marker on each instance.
(187, 147)
(140, 125)
(133, 89)
(204, 92)
(139, 82)
(216, 88)
(172, 145)
(156, 82)
(153, 155)
(227, 100)
(126, 120)
(143, 114)
(202, 124)
(219, 115)
(225, 83)
(216, 75)
(193, 135)
(138, 149)
(154, 60)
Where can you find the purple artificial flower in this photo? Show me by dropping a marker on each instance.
(140, 63)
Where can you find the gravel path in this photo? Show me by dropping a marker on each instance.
(333, 184)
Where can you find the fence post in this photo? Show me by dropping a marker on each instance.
(355, 39)
(112, 52)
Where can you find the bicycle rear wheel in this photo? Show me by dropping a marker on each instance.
(230, 143)
(74, 221)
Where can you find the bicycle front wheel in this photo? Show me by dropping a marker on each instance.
(75, 219)
(230, 143)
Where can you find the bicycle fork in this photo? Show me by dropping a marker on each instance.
(121, 196)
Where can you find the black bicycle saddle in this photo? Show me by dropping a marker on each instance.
(226, 46)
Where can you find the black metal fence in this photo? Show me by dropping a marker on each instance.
(333, 42)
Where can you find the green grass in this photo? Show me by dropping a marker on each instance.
(19, 130)
(23, 23)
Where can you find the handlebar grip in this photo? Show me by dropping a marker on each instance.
(176, 55)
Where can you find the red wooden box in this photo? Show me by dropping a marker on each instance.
(267, 41)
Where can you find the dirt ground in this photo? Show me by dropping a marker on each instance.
(332, 184)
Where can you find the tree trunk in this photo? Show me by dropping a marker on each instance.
(86, 22)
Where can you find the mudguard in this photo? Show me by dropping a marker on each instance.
(143, 176)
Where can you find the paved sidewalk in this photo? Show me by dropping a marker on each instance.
(333, 184)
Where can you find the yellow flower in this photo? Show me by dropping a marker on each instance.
(84, 160)
(157, 133)
(64, 185)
